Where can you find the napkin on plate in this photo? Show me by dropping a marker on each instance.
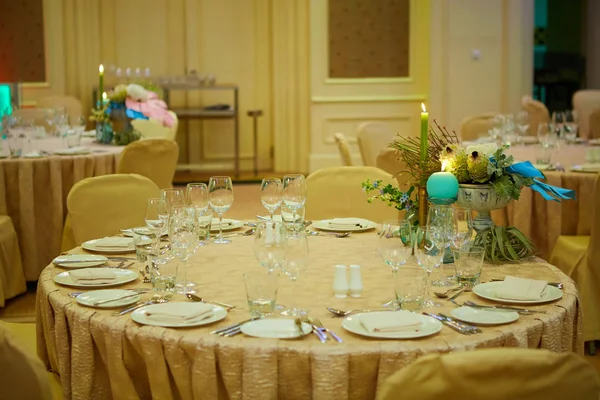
(390, 321)
(114, 242)
(215, 223)
(514, 288)
(91, 276)
(346, 222)
(180, 316)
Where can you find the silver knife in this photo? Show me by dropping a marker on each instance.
(97, 303)
(130, 309)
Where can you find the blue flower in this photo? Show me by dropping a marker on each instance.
(404, 198)
(375, 184)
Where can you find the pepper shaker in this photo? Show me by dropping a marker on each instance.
(340, 282)
(355, 287)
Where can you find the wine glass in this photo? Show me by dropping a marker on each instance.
(462, 228)
(296, 261)
(547, 135)
(269, 245)
(571, 124)
(183, 234)
(440, 228)
(196, 195)
(220, 199)
(429, 255)
(395, 242)
(294, 192)
(270, 194)
(154, 220)
(79, 123)
(558, 121)
(173, 197)
(50, 116)
(522, 122)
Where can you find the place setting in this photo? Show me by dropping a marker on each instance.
(110, 245)
(95, 277)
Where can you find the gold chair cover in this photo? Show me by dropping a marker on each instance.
(173, 129)
(103, 205)
(156, 159)
(12, 278)
(336, 192)
(584, 103)
(371, 138)
(538, 113)
(495, 374)
(595, 124)
(343, 148)
(476, 126)
(151, 129)
(389, 161)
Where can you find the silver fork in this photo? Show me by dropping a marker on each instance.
(234, 329)
(156, 299)
(337, 235)
(322, 328)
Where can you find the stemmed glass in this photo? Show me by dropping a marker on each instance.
(173, 197)
(462, 228)
(155, 221)
(196, 195)
(558, 121)
(220, 199)
(50, 115)
(571, 125)
(429, 255)
(395, 243)
(183, 234)
(270, 194)
(270, 244)
(296, 261)
(294, 193)
(522, 122)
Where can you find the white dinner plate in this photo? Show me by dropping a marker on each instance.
(276, 328)
(593, 168)
(89, 134)
(479, 316)
(544, 167)
(345, 225)
(79, 260)
(89, 298)
(228, 224)
(33, 155)
(528, 139)
(488, 291)
(594, 142)
(121, 276)
(97, 245)
(141, 314)
(140, 230)
(430, 327)
(74, 151)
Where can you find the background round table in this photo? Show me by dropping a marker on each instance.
(101, 356)
(33, 193)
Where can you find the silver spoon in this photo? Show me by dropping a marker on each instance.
(443, 295)
(199, 299)
(343, 313)
(337, 235)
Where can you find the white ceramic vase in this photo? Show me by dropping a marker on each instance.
(483, 199)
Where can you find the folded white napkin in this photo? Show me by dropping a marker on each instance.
(93, 276)
(391, 321)
(215, 223)
(114, 242)
(344, 221)
(514, 288)
(180, 315)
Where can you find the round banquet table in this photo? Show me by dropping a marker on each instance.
(102, 356)
(33, 193)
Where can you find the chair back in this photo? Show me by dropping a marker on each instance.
(336, 192)
(389, 161)
(174, 127)
(102, 205)
(71, 104)
(494, 374)
(151, 129)
(594, 132)
(538, 114)
(585, 102)
(371, 138)
(476, 126)
(156, 159)
(343, 148)
(37, 115)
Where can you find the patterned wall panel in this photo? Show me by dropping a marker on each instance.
(368, 38)
(22, 41)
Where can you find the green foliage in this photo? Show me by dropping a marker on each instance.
(126, 137)
(100, 114)
(504, 244)
(389, 194)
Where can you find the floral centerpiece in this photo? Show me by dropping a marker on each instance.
(488, 179)
(125, 103)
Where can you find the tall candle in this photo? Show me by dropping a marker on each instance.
(104, 98)
(424, 132)
(101, 83)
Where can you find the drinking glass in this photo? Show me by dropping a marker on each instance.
(269, 245)
(204, 222)
(558, 122)
(293, 220)
(163, 272)
(468, 263)
(155, 216)
(73, 138)
(522, 122)
(294, 193)
(270, 194)
(173, 197)
(50, 116)
(183, 234)
(440, 227)
(429, 255)
(79, 123)
(462, 227)
(296, 261)
(196, 195)
(547, 135)
(143, 245)
(395, 243)
(261, 292)
(220, 199)
(410, 285)
(571, 125)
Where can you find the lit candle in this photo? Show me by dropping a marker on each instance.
(424, 132)
(442, 185)
(101, 83)
(104, 98)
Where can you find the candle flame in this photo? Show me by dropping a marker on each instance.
(423, 107)
(101, 69)
(104, 96)
(445, 164)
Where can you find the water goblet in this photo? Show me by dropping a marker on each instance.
(395, 243)
(183, 234)
(462, 227)
(429, 255)
(296, 261)
(270, 245)
(468, 262)
(294, 192)
(220, 199)
(270, 194)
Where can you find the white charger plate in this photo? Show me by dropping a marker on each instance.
(74, 151)
(488, 291)
(479, 316)
(276, 328)
(366, 225)
(430, 327)
(89, 298)
(544, 167)
(139, 315)
(92, 245)
(592, 168)
(79, 260)
(228, 224)
(140, 230)
(121, 276)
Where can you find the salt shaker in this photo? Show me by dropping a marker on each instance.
(340, 282)
(356, 285)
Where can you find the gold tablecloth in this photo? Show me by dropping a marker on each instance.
(100, 356)
(34, 192)
(544, 221)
